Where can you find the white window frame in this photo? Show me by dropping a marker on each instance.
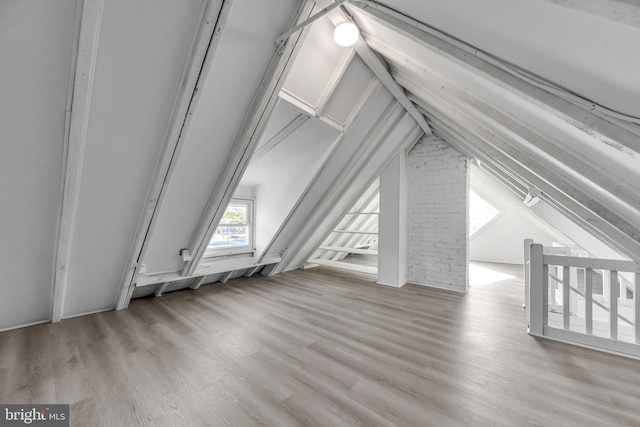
(250, 224)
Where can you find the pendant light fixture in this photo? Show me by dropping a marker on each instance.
(346, 34)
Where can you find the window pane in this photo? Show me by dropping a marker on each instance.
(235, 214)
(480, 212)
(226, 235)
(234, 229)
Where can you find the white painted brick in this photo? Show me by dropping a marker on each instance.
(438, 219)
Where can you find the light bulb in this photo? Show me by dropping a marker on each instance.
(346, 34)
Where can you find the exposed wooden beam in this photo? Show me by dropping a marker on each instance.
(344, 140)
(89, 38)
(161, 289)
(366, 95)
(589, 193)
(238, 159)
(291, 127)
(252, 271)
(516, 115)
(572, 109)
(334, 79)
(198, 283)
(359, 222)
(584, 172)
(227, 276)
(381, 71)
(212, 22)
(391, 135)
(283, 38)
(297, 102)
(470, 140)
(345, 266)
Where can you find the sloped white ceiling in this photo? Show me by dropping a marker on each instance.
(35, 59)
(314, 64)
(585, 53)
(590, 175)
(141, 56)
(244, 52)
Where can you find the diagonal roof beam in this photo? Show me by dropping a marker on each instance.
(75, 143)
(279, 137)
(238, 159)
(379, 68)
(213, 19)
(280, 40)
(475, 141)
(577, 111)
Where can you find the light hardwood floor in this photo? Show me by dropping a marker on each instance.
(318, 347)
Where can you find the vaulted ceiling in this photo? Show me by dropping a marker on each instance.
(128, 126)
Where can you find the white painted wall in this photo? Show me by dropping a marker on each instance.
(393, 223)
(502, 240)
(245, 192)
(285, 173)
(141, 57)
(35, 50)
(577, 234)
(438, 253)
(340, 156)
(395, 132)
(315, 63)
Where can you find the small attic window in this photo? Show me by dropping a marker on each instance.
(481, 213)
(234, 233)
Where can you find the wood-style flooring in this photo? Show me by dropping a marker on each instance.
(319, 348)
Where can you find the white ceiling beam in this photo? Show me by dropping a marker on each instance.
(284, 37)
(211, 25)
(394, 132)
(199, 282)
(478, 142)
(74, 145)
(334, 79)
(268, 250)
(556, 198)
(379, 68)
(289, 128)
(369, 201)
(578, 112)
(582, 170)
(591, 193)
(246, 141)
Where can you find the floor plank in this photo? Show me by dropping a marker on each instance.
(318, 347)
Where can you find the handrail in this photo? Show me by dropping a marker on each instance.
(538, 274)
(592, 263)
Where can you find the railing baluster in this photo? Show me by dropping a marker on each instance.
(566, 299)
(588, 299)
(613, 305)
(537, 289)
(545, 295)
(527, 256)
(636, 305)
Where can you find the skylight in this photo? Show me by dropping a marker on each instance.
(481, 213)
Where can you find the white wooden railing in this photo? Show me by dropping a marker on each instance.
(562, 305)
